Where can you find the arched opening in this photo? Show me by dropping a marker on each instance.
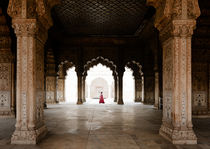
(128, 86)
(99, 79)
(71, 86)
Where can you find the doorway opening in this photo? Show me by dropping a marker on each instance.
(99, 79)
(128, 86)
(71, 86)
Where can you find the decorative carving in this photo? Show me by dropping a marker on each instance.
(60, 89)
(176, 28)
(25, 27)
(51, 89)
(14, 8)
(199, 88)
(6, 78)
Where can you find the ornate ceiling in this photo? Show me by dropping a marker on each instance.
(100, 17)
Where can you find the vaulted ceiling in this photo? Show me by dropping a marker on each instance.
(101, 17)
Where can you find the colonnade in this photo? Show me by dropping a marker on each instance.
(175, 21)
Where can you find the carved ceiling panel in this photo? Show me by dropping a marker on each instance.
(100, 17)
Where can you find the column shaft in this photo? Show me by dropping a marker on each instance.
(177, 108)
(79, 76)
(51, 89)
(120, 89)
(83, 89)
(157, 91)
(138, 90)
(30, 126)
(61, 89)
(115, 89)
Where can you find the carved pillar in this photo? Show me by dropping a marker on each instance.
(149, 88)
(120, 87)
(50, 78)
(79, 76)
(83, 89)
(31, 21)
(30, 126)
(50, 89)
(142, 88)
(61, 84)
(115, 89)
(6, 70)
(61, 89)
(209, 89)
(157, 90)
(176, 20)
(138, 89)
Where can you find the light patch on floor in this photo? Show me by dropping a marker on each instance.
(104, 126)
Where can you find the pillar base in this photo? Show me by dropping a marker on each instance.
(51, 102)
(28, 136)
(137, 100)
(178, 136)
(115, 100)
(120, 102)
(79, 102)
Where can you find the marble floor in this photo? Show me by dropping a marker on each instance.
(104, 126)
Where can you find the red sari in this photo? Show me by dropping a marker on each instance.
(101, 99)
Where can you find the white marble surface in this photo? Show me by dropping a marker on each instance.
(104, 126)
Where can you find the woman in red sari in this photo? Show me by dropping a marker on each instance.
(101, 98)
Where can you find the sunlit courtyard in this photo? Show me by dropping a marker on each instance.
(99, 80)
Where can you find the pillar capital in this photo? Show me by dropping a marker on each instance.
(25, 27)
(168, 10)
(178, 28)
(31, 9)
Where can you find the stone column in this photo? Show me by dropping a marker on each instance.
(142, 89)
(50, 78)
(61, 89)
(177, 108)
(209, 89)
(6, 70)
(120, 88)
(149, 88)
(31, 21)
(157, 90)
(138, 89)
(175, 21)
(79, 76)
(51, 89)
(30, 125)
(115, 89)
(83, 89)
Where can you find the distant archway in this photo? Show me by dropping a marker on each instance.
(97, 86)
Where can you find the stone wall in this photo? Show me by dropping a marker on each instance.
(200, 88)
(149, 89)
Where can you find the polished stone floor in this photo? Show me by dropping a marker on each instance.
(104, 126)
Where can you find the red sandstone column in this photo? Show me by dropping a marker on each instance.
(30, 126)
(176, 21)
(120, 88)
(138, 89)
(79, 76)
(115, 89)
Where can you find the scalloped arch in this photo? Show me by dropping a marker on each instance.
(103, 61)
